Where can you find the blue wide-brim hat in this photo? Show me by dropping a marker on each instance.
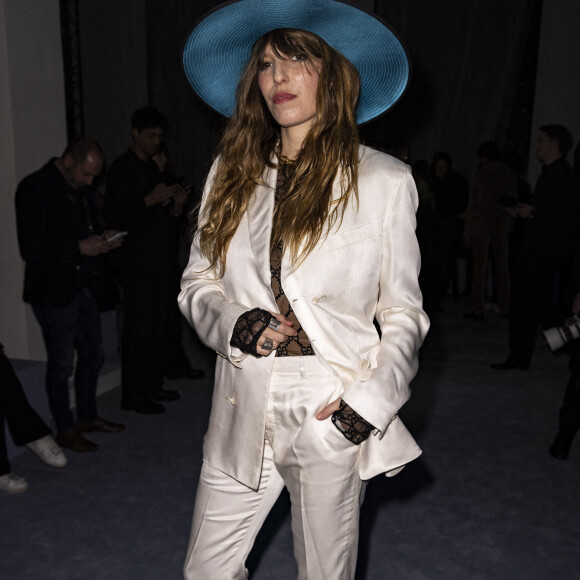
(219, 47)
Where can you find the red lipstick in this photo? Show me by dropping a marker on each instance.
(283, 97)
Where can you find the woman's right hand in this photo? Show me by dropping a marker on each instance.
(276, 336)
(259, 332)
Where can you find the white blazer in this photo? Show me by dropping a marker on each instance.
(366, 267)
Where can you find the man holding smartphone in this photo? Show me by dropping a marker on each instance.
(140, 202)
(60, 235)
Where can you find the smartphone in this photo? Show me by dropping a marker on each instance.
(117, 236)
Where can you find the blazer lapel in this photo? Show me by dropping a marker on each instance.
(286, 265)
(260, 216)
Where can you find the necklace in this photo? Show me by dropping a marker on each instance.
(286, 160)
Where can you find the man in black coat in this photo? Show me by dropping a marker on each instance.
(60, 237)
(141, 200)
(549, 237)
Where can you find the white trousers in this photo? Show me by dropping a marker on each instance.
(317, 464)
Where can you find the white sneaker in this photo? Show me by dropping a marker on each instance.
(48, 451)
(13, 483)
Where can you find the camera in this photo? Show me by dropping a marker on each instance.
(558, 336)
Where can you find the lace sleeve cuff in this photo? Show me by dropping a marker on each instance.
(351, 424)
(248, 329)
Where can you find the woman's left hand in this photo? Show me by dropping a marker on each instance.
(354, 427)
(327, 411)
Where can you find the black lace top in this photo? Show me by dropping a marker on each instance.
(250, 326)
(298, 345)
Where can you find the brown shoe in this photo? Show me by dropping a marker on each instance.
(99, 424)
(74, 441)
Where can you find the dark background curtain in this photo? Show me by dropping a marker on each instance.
(473, 65)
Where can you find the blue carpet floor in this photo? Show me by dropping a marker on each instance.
(485, 501)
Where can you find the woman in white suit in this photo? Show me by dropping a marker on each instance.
(304, 238)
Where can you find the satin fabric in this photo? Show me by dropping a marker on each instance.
(315, 462)
(365, 268)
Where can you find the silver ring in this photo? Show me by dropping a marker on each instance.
(268, 344)
(274, 324)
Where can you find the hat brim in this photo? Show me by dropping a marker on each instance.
(218, 48)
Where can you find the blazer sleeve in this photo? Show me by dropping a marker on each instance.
(399, 312)
(202, 299)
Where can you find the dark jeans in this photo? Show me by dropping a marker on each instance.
(23, 421)
(76, 326)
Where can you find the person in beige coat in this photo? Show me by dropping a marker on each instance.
(304, 239)
(487, 227)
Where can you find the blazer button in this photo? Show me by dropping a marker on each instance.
(364, 363)
(319, 299)
(231, 401)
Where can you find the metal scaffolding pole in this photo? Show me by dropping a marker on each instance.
(71, 52)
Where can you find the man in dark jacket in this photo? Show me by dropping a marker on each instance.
(60, 237)
(140, 200)
(548, 241)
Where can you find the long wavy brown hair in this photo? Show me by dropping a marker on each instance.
(252, 137)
